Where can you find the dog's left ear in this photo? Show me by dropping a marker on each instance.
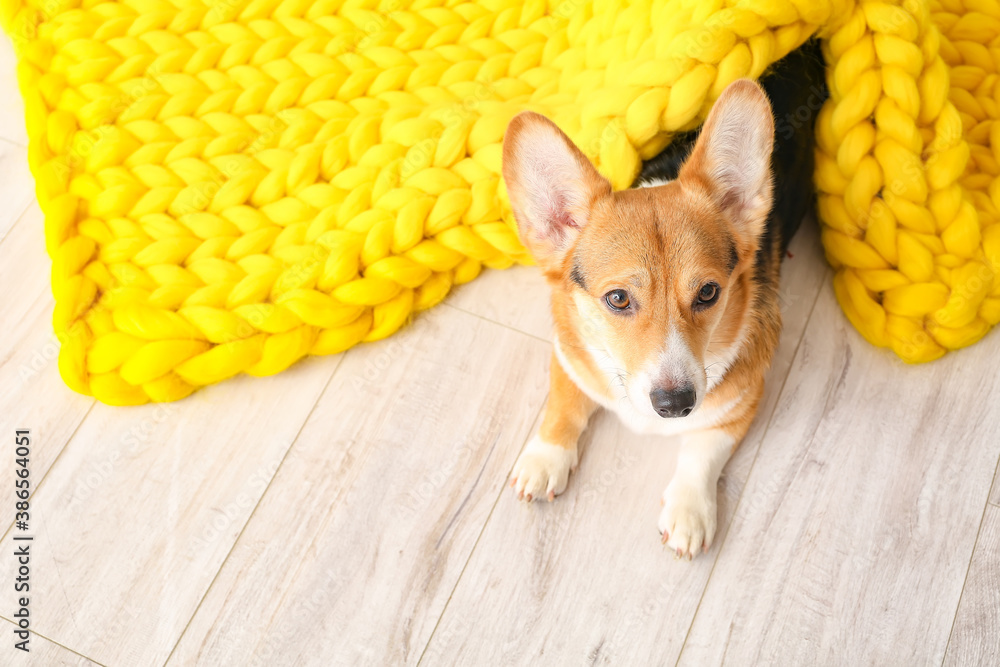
(732, 157)
(552, 187)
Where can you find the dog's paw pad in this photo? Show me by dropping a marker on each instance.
(542, 470)
(688, 520)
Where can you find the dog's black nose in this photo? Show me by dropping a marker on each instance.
(677, 402)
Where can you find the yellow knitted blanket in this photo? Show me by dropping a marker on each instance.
(229, 185)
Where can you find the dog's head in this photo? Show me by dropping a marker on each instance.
(654, 282)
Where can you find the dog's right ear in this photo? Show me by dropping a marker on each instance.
(552, 186)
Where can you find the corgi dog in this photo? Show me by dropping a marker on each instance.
(664, 297)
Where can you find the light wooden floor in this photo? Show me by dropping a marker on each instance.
(352, 511)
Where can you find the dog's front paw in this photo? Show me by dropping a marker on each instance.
(687, 522)
(542, 469)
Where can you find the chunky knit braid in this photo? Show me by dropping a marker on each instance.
(231, 186)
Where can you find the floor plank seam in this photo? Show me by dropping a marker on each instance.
(246, 523)
(62, 646)
(482, 529)
(31, 496)
(965, 581)
(500, 324)
(994, 485)
(38, 486)
(62, 589)
(17, 221)
(753, 463)
(10, 141)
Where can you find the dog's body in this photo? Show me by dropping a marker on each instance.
(664, 297)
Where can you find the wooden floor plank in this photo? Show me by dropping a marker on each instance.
(138, 514)
(12, 125)
(517, 297)
(32, 394)
(975, 639)
(41, 651)
(579, 580)
(352, 554)
(854, 531)
(17, 189)
(585, 579)
(995, 495)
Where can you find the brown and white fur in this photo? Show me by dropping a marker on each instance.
(664, 300)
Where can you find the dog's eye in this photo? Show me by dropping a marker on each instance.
(707, 295)
(617, 299)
